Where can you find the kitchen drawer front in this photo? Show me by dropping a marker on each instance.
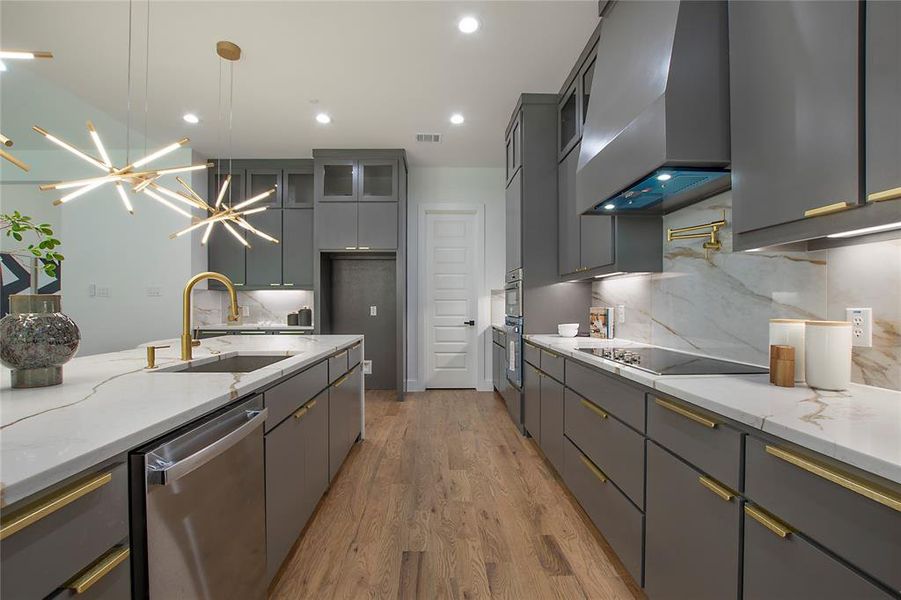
(316, 451)
(286, 397)
(615, 448)
(337, 366)
(863, 531)
(698, 437)
(552, 421)
(616, 518)
(513, 398)
(692, 544)
(531, 354)
(41, 556)
(792, 567)
(354, 355)
(620, 399)
(285, 489)
(552, 364)
(531, 399)
(107, 578)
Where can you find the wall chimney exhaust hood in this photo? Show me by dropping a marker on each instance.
(656, 136)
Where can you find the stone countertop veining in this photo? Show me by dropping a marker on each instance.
(109, 404)
(253, 327)
(860, 426)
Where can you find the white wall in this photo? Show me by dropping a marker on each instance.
(465, 186)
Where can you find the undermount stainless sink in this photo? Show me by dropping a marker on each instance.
(242, 363)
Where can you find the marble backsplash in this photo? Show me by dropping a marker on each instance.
(266, 307)
(719, 303)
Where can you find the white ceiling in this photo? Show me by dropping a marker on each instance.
(383, 70)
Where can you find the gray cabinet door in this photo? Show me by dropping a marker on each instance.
(336, 180)
(377, 225)
(596, 241)
(315, 451)
(226, 255)
(378, 180)
(335, 431)
(495, 366)
(794, 109)
(298, 188)
(336, 225)
(297, 248)
(285, 490)
(354, 410)
(552, 421)
(692, 534)
(234, 193)
(531, 400)
(569, 120)
(260, 181)
(514, 222)
(883, 97)
(568, 229)
(264, 258)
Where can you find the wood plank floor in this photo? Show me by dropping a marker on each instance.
(445, 499)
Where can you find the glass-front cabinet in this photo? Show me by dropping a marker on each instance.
(234, 193)
(260, 181)
(298, 192)
(378, 180)
(569, 125)
(339, 181)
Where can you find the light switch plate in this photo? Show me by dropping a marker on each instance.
(154, 291)
(367, 367)
(104, 291)
(245, 311)
(92, 290)
(373, 311)
(861, 326)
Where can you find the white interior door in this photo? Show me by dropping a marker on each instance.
(451, 298)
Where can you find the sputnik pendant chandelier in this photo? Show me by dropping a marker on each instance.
(17, 55)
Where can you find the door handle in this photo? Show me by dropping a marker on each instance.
(471, 323)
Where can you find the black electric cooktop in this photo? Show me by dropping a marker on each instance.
(669, 362)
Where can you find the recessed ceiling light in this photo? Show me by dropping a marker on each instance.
(609, 206)
(191, 118)
(323, 118)
(457, 119)
(468, 25)
(664, 177)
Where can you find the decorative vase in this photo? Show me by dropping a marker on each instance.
(36, 340)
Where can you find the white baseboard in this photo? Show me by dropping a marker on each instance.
(413, 385)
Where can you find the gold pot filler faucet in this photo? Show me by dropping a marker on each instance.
(187, 341)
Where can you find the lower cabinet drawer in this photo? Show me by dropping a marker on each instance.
(697, 436)
(47, 543)
(621, 399)
(615, 448)
(807, 493)
(692, 538)
(337, 366)
(617, 519)
(354, 355)
(108, 578)
(552, 364)
(286, 397)
(787, 567)
(531, 354)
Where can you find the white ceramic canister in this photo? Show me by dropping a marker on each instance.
(827, 354)
(790, 332)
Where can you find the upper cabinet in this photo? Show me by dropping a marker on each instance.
(514, 148)
(260, 181)
(378, 180)
(298, 192)
(807, 145)
(569, 120)
(352, 180)
(338, 180)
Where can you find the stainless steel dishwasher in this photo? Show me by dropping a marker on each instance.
(198, 509)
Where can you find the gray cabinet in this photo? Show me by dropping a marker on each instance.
(298, 192)
(377, 226)
(297, 248)
(514, 222)
(531, 400)
(883, 97)
(513, 147)
(316, 468)
(692, 537)
(344, 417)
(226, 256)
(261, 180)
(378, 180)
(568, 218)
(569, 120)
(336, 180)
(497, 363)
(551, 417)
(336, 225)
(264, 258)
(596, 241)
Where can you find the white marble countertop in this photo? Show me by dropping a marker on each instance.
(109, 404)
(253, 327)
(860, 426)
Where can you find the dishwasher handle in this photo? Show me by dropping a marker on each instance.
(172, 472)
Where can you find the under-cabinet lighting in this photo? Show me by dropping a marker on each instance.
(866, 230)
(610, 275)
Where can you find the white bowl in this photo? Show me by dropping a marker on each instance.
(568, 329)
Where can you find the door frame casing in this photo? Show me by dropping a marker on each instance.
(481, 316)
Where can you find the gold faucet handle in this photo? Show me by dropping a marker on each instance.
(151, 355)
(236, 317)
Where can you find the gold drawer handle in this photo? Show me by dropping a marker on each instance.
(99, 570)
(342, 380)
(311, 404)
(892, 194)
(48, 507)
(828, 209)
(768, 521)
(593, 408)
(845, 480)
(594, 470)
(679, 410)
(551, 354)
(355, 346)
(301, 412)
(720, 490)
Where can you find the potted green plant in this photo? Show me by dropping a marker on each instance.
(36, 339)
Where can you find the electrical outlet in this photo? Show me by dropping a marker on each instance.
(861, 326)
(154, 291)
(92, 290)
(367, 367)
(103, 291)
(373, 311)
(245, 311)
(620, 313)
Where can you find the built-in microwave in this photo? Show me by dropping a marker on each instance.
(513, 294)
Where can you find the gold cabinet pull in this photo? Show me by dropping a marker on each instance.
(594, 408)
(768, 521)
(311, 404)
(714, 486)
(828, 209)
(48, 507)
(342, 380)
(594, 470)
(680, 410)
(301, 412)
(845, 480)
(355, 346)
(551, 354)
(892, 194)
(98, 570)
